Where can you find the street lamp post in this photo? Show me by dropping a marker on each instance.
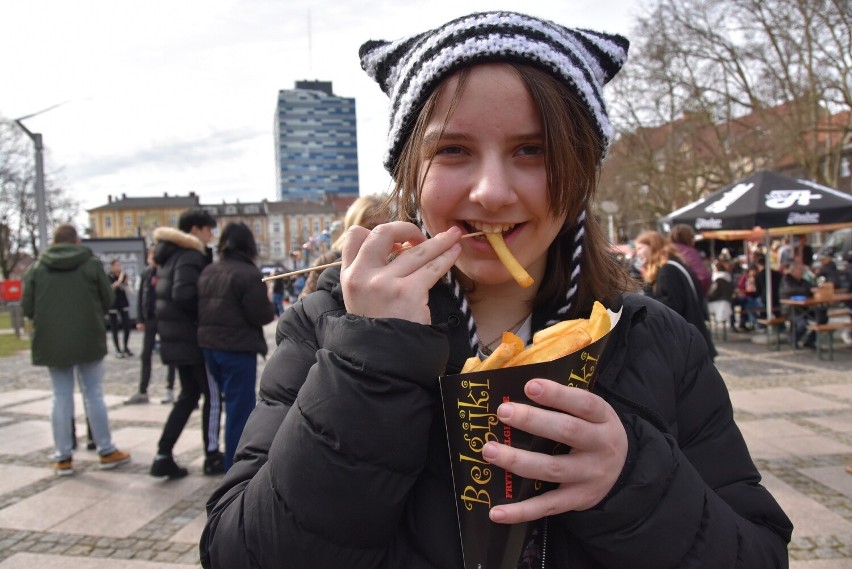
(610, 208)
(41, 206)
(41, 202)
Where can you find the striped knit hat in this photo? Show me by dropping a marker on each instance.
(409, 69)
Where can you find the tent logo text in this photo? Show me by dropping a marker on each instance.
(728, 198)
(783, 199)
(799, 218)
(708, 223)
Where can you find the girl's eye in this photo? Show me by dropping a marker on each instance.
(531, 150)
(449, 150)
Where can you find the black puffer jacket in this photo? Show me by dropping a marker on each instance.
(344, 461)
(233, 306)
(181, 258)
(672, 287)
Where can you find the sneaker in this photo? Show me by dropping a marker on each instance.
(119, 355)
(63, 467)
(128, 353)
(113, 459)
(214, 464)
(90, 445)
(166, 467)
(169, 397)
(136, 399)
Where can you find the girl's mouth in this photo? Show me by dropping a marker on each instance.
(475, 226)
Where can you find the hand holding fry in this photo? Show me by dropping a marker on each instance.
(377, 287)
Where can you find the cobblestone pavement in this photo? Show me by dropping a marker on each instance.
(794, 410)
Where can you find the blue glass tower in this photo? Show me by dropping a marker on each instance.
(316, 148)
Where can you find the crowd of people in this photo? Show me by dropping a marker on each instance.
(205, 319)
(735, 291)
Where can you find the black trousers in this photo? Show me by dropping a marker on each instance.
(114, 316)
(194, 383)
(149, 339)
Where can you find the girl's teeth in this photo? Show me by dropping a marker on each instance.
(491, 228)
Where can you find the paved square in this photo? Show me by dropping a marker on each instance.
(782, 400)
(98, 504)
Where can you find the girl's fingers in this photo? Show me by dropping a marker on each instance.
(355, 237)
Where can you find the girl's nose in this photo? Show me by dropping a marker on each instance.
(493, 188)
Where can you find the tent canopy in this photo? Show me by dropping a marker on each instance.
(765, 201)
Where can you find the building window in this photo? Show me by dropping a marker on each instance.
(173, 219)
(257, 227)
(276, 227)
(107, 222)
(128, 220)
(230, 210)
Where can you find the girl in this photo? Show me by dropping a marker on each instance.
(672, 282)
(497, 124)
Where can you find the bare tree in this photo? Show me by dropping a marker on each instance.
(716, 90)
(18, 211)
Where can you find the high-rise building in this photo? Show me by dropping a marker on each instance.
(316, 149)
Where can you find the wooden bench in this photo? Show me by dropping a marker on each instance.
(774, 326)
(839, 313)
(826, 331)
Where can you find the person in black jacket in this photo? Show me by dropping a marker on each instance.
(146, 309)
(120, 308)
(497, 125)
(181, 255)
(233, 306)
(672, 282)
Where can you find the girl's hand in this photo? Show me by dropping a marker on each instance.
(377, 287)
(582, 420)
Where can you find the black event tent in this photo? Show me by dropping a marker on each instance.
(762, 205)
(765, 200)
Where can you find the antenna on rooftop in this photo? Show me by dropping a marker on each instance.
(310, 47)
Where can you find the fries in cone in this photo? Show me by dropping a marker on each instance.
(567, 352)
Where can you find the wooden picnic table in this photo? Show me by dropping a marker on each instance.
(808, 307)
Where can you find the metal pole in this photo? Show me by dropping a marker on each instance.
(41, 206)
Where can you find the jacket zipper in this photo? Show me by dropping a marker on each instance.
(544, 545)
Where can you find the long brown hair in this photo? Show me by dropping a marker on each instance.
(661, 250)
(572, 156)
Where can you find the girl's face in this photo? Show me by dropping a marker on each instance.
(643, 251)
(488, 173)
(115, 267)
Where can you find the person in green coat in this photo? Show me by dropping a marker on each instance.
(66, 294)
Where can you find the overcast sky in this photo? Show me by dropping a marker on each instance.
(179, 95)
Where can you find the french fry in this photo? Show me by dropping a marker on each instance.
(471, 364)
(599, 323)
(509, 347)
(512, 265)
(552, 348)
(564, 327)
